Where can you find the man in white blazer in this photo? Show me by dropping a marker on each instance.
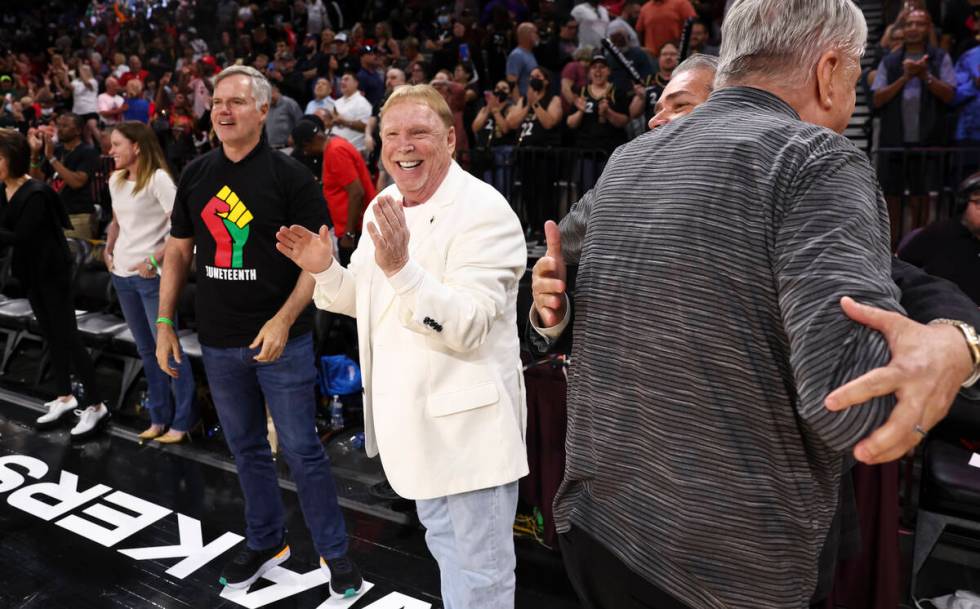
(434, 291)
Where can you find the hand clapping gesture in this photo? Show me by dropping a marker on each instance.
(311, 252)
(390, 235)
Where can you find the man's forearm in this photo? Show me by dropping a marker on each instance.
(298, 300)
(355, 205)
(941, 89)
(74, 179)
(886, 94)
(176, 264)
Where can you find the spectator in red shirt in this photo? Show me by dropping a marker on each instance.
(661, 21)
(347, 184)
(135, 71)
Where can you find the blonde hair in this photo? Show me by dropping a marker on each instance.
(150, 156)
(421, 94)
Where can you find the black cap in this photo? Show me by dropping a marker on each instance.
(304, 132)
(599, 57)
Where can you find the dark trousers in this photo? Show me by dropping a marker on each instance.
(52, 304)
(602, 581)
(242, 389)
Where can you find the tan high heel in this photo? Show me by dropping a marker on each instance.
(153, 431)
(174, 437)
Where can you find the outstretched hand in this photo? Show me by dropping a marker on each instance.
(310, 251)
(928, 365)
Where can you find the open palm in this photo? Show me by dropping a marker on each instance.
(311, 252)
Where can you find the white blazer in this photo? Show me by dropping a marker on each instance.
(444, 400)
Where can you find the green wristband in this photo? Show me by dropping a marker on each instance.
(156, 265)
(165, 320)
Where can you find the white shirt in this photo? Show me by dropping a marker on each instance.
(353, 108)
(143, 218)
(326, 103)
(84, 100)
(592, 24)
(108, 102)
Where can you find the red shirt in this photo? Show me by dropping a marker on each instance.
(342, 165)
(662, 22)
(128, 76)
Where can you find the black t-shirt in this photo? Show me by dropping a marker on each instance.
(232, 211)
(593, 134)
(490, 136)
(947, 249)
(81, 158)
(532, 133)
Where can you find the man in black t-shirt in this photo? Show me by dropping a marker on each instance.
(72, 163)
(255, 321)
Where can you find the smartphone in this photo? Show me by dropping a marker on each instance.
(464, 52)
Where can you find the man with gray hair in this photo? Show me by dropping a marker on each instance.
(715, 486)
(255, 325)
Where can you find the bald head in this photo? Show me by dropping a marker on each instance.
(527, 35)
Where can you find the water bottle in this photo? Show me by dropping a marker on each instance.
(336, 414)
(358, 440)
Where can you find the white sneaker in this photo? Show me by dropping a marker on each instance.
(56, 409)
(89, 420)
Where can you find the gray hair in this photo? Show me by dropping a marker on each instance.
(261, 89)
(786, 37)
(698, 61)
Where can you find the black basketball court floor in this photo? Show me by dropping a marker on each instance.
(111, 523)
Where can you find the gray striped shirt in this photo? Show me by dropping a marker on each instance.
(713, 254)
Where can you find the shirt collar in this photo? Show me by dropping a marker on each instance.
(446, 193)
(259, 149)
(751, 97)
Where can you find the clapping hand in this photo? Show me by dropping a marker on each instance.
(311, 252)
(389, 231)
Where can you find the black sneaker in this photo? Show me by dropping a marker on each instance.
(345, 578)
(249, 565)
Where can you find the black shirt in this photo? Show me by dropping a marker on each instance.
(533, 133)
(595, 134)
(949, 250)
(242, 279)
(83, 158)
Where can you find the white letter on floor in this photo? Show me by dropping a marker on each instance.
(397, 600)
(191, 548)
(287, 583)
(124, 525)
(9, 479)
(65, 492)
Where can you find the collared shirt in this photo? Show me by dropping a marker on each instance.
(282, 117)
(708, 333)
(353, 108)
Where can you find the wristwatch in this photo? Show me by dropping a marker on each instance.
(351, 235)
(972, 343)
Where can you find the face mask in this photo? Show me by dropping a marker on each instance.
(537, 84)
(500, 95)
(46, 111)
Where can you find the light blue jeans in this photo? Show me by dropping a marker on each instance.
(471, 536)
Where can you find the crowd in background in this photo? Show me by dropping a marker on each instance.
(515, 73)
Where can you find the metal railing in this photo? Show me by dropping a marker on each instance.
(540, 183)
(920, 183)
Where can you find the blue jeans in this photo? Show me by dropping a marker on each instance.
(241, 388)
(140, 300)
(471, 536)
